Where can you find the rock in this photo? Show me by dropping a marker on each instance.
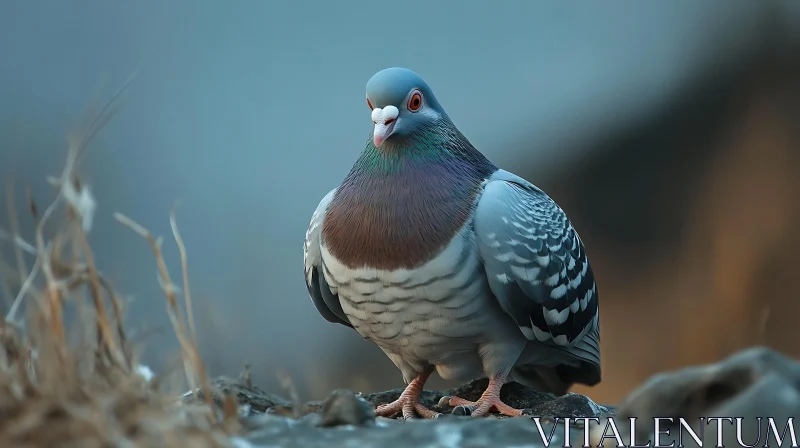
(571, 405)
(344, 407)
(757, 382)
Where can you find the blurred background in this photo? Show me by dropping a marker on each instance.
(668, 131)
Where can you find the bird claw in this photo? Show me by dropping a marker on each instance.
(410, 408)
(425, 412)
(408, 402)
(479, 408)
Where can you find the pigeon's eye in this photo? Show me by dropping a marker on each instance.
(369, 104)
(415, 102)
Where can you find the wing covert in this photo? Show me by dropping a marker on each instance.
(535, 261)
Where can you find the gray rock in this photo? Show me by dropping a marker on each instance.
(344, 407)
(757, 382)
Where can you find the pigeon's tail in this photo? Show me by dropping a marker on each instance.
(578, 364)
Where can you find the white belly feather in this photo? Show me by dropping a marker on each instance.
(440, 313)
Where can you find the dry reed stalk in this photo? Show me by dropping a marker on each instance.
(13, 226)
(195, 370)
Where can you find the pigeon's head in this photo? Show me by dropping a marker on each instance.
(402, 103)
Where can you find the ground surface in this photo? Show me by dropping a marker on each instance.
(757, 382)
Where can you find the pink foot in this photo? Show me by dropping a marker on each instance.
(408, 402)
(489, 399)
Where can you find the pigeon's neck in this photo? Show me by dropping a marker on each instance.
(402, 203)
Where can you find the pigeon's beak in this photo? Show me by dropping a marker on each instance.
(384, 120)
(382, 131)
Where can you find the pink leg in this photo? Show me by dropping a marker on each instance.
(409, 400)
(489, 399)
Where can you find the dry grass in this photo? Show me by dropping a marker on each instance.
(82, 386)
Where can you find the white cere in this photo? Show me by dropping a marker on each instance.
(382, 115)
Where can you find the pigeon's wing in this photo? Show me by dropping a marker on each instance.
(536, 265)
(327, 303)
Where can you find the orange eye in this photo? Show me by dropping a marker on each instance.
(415, 102)
(369, 104)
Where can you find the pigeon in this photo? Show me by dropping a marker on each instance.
(449, 263)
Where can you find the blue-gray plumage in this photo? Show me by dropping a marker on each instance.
(448, 263)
